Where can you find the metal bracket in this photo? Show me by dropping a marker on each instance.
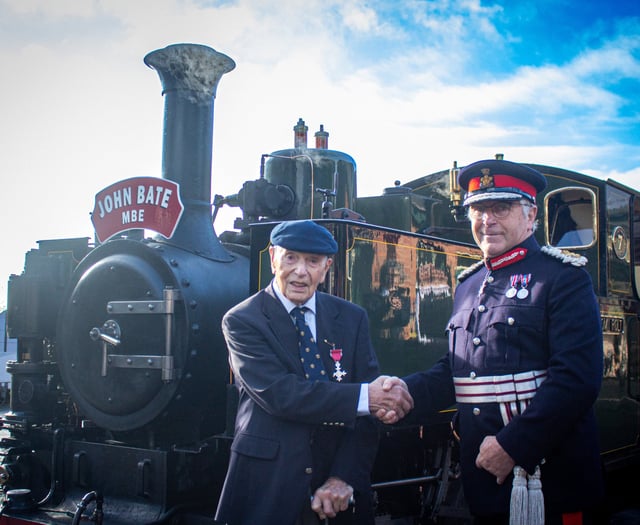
(110, 334)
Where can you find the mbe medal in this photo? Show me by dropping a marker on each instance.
(336, 355)
(338, 373)
(511, 292)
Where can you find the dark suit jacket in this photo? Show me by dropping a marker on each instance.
(292, 434)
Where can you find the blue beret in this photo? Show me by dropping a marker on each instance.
(304, 236)
(500, 179)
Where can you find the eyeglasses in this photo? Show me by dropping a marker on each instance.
(498, 209)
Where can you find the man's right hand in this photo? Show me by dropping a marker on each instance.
(389, 399)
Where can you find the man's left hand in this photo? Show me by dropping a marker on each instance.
(332, 497)
(493, 458)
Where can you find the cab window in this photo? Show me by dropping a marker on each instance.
(570, 218)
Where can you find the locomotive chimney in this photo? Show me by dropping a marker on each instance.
(190, 74)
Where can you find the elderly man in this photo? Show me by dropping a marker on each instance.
(524, 363)
(304, 441)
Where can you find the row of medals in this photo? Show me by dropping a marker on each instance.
(521, 279)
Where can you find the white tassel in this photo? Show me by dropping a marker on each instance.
(536, 499)
(519, 505)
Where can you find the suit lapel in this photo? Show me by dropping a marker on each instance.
(281, 326)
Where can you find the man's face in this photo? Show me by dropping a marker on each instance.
(498, 226)
(298, 274)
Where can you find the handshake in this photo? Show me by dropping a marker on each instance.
(389, 399)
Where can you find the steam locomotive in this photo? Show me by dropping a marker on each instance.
(122, 402)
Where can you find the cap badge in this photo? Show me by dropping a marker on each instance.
(486, 181)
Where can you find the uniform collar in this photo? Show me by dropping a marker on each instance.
(514, 255)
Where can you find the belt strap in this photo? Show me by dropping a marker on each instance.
(498, 389)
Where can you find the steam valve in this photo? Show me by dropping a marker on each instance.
(322, 138)
(300, 134)
(455, 194)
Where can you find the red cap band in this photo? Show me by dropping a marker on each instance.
(503, 181)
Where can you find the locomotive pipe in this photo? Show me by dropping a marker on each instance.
(189, 74)
(408, 481)
(84, 503)
(57, 444)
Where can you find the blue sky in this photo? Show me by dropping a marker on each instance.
(405, 87)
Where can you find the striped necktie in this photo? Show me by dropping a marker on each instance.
(309, 355)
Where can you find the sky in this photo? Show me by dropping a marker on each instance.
(404, 87)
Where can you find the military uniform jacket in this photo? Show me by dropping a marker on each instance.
(553, 326)
(291, 434)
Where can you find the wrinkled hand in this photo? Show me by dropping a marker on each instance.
(493, 458)
(332, 497)
(389, 399)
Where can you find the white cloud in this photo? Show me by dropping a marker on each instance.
(359, 17)
(80, 109)
(57, 9)
(628, 178)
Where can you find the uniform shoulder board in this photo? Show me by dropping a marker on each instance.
(470, 271)
(565, 256)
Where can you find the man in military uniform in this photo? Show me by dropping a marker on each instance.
(524, 363)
